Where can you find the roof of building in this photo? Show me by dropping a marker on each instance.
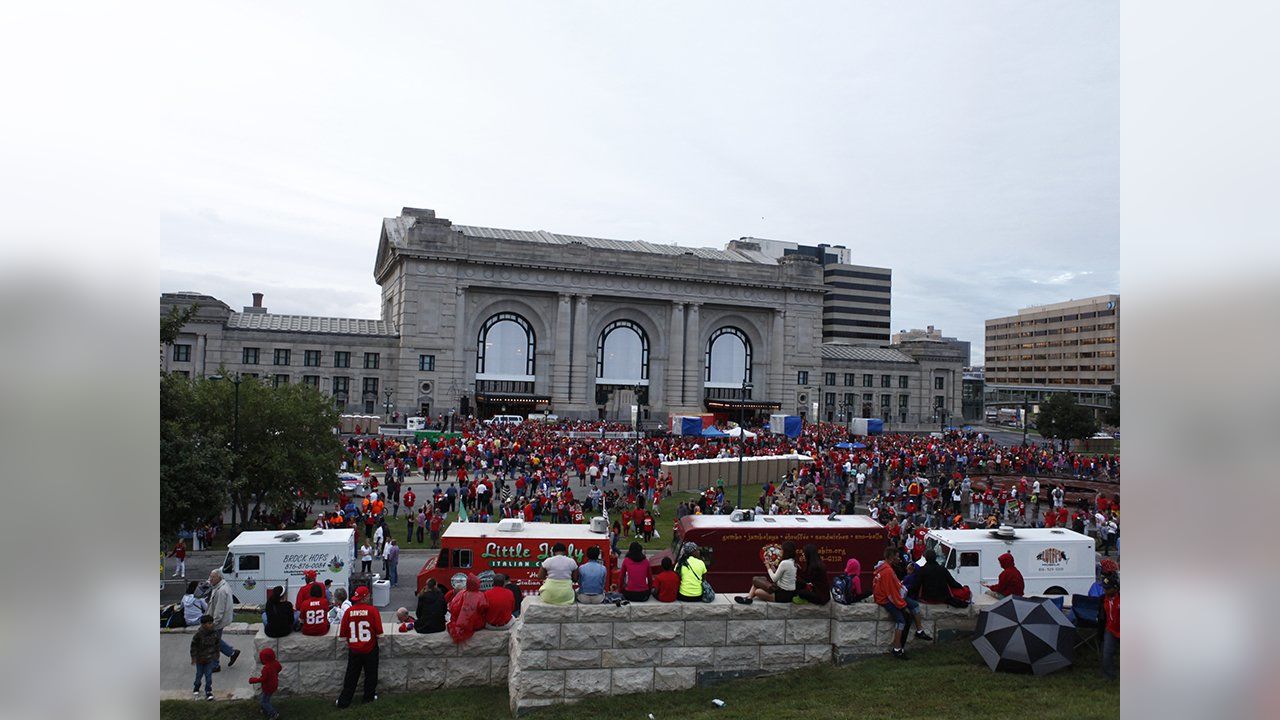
(534, 530)
(844, 351)
(309, 324)
(542, 236)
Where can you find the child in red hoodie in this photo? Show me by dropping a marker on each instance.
(269, 679)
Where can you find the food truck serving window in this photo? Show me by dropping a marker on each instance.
(969, 559)
(250, 562)
(462, 558)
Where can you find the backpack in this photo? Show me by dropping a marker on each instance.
(842, 589)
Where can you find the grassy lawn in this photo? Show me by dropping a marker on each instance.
(948, 680)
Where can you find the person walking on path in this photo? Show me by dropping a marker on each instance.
(391, 557)
(220, 607)
(179, 555)
(204, 653)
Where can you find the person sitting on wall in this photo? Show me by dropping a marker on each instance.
(558, 573)
(936, 583)
(691, 571)
(591, 578)
(502, 604)
(812, 584)
(780, 585)
(1010, 581)
(431, 609)
(666, 584)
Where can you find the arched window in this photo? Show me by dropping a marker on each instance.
(622, 354)
(728, 358)
(505, 348)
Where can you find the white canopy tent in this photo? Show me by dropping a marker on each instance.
(736, 431)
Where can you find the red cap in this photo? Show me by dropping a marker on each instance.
(309, 574)
(360, 593)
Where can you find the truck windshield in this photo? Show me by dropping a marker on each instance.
(229, 566)
(948, 557)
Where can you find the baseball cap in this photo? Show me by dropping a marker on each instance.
(309, 575)
(360, 593)
(689, 547)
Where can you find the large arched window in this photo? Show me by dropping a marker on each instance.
(622, 354)
(728, 358)
(505, 348)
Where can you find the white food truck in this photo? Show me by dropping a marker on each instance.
(261, 559)
(1053, 561)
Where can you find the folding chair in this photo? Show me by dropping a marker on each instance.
(1086, 613)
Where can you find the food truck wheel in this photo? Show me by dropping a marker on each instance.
(1055, 590)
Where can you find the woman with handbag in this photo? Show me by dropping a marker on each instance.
(780, 586)
(691, 570)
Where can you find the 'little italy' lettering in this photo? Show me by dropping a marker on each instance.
(494, 550)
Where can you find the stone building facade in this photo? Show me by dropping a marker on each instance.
(490, 321)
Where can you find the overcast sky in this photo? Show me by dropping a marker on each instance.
(971, 147)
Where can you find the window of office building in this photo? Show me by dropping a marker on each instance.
(939, 383)
(728, 362)
(506, 348)
(802, 377)
(372, 360)
(182, 353)
(850, 379)
(830, 399)
(868, 380)
(341, 386)
(904, 381)
(311, 358)
(904, 401)
(249, 356)
(311, 381)
(371, 386)
(622, 354)
(281, 357)
(426, 363)
(829, 378)
(279, 380)
(341, 359)
(886, 381)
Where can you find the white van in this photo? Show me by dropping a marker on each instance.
(261, 559)
(1053, 561)
(504, 420)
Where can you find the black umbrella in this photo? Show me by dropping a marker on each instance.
(1021, 634)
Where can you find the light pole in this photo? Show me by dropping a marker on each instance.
(1025, 417)
(742, 434)
(387, 402)
(635, 427)
(235, 436)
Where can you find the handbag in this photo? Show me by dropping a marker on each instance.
(962, 593)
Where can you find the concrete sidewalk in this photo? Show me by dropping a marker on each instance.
(177, 672)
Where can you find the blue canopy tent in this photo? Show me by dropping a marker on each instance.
(713, 432)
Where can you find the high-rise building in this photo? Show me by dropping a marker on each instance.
(930, 335)
(1071, 346)
(855, 308)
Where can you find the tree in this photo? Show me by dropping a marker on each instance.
(1111, 416)
(171, 323)
(287, 448)
(1061, 418)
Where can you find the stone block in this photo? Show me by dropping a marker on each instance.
(587, 683)
(817, 653)
(776, 657)
(586, 636)
(499, 670)
(856, 611)
(705, 632)
(708, 611)
(393, 673)
(566, 659)
(534, 610)
(737, 656)
(540, 636)
(634, 657)
(604, 613)
(485, 642)
(425, 674)
(654, 611)
(848, 635)
(788, 611)
(416, 645)
(290, 679)
(754, 611)
(884, 634)
(638, 634)
(688, 656)
(296, 647)
(321, 677)
(537, 684)
(632, 680)
(237, 628)
(674, 678)
(529, 659)
(466, 672)
(761, 632)
(523, 706)
(260, 641)
(808, 631)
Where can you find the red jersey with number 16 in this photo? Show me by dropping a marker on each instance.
(361, 625)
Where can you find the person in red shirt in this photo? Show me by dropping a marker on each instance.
(179, 555)
(269, 680)
(304, 592)
(313, 610)
(360, 627)
(1111, 624)
(502, 604)
(666, 583)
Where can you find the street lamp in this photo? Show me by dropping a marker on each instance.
(742, 434)
(1025, 416)
(235, 435)
(387, 402)
(635, 427)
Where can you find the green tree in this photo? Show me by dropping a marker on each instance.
(1062, 419)
(287, 448)
(171, 323)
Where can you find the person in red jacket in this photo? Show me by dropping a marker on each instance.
(360, 626)
(502, 604)
(313, 611)
(1010, 581)
(889, 594)
(467, 608)
(269, 679)
(1111, 625)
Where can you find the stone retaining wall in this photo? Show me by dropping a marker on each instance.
(558, 654)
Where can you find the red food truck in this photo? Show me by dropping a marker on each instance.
(735, 550)
(511, 547)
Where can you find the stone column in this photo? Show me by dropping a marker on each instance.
(582, 372)
(460, 359)
(563, 351)
(777, 343)
(694, 368)
(675, 358)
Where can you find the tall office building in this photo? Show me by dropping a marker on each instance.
(855, 308)
(1071, 346)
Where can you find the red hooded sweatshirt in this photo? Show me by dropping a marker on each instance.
(1010, 582)
(467, 611)
(270, 677)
